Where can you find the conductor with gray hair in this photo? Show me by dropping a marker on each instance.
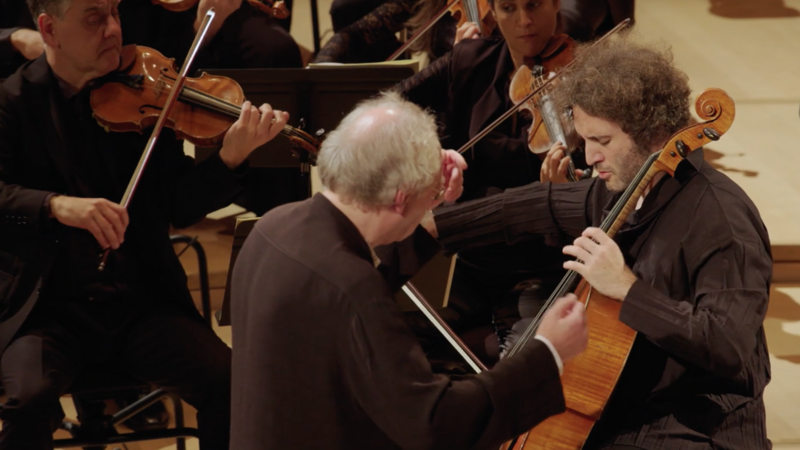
(322, 356)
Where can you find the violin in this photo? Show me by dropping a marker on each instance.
(546, 128)
(590, 378)
(276, 9)
(132, 100)
(475, 11)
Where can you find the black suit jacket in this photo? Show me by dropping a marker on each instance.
(34, 163)
(320, 340)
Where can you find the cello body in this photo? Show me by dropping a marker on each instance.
(589, 379)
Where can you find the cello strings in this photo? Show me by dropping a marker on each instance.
(569, 279)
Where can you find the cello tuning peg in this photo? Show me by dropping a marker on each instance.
(711, 134)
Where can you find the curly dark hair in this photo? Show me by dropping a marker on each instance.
(631, 84)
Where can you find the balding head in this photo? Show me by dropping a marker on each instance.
(384, 145)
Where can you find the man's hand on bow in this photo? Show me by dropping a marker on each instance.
(223, 8)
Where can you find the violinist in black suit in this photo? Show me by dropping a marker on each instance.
(468, 89)
(61, 175)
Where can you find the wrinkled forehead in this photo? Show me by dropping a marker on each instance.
(589, 126)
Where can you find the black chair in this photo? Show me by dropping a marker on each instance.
(97, 430)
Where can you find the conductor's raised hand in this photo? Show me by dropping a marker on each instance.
(453, 167)
(254, 128)
(564, 325)
(103, 218)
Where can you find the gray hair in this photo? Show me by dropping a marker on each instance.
(384, 145)
(52, 7)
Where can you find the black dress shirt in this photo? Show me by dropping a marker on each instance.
(696, 374)
(320, 344)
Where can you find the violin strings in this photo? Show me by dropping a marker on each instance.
(213, 102)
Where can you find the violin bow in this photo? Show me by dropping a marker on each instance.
(168, 104)
(421, 31)
(516, 107)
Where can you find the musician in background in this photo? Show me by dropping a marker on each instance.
(468, 89)
(61, 175)
(366, 40)
(691, 265)
(19, 39)
(240, 37)
(585, 20)
(319, 340)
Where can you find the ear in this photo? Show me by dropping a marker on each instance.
(399, 205)
(47, 29)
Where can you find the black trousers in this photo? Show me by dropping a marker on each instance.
(149, 339)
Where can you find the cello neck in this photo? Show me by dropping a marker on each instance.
(611, 225)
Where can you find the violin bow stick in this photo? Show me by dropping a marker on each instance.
(173, 97)
(425, 28)
(516, 107)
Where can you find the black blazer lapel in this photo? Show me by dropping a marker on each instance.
(44, 110)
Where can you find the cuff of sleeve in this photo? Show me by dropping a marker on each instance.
(46, 212)
(646, 308)
(553, 350)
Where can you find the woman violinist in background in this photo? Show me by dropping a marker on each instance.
(468, 89)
